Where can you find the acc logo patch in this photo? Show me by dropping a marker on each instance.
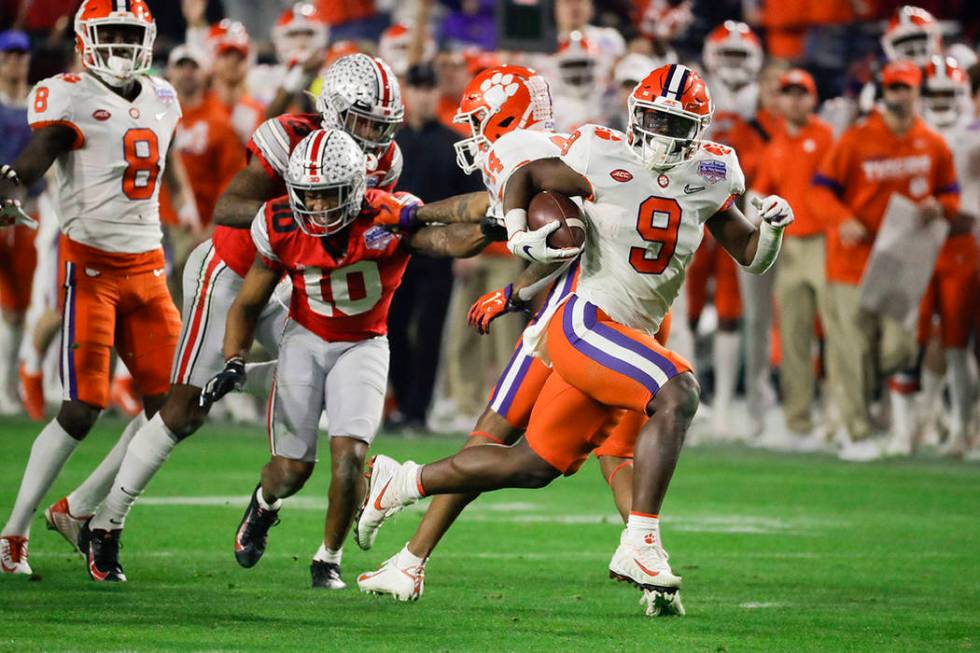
(712, 171)
(377, 238)
(101, 115)
(620, 175)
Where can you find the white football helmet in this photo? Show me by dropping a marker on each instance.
(733, 54)
(329, 166)
(945, 93)
(361, 95)
(299, 33)
(115, 63)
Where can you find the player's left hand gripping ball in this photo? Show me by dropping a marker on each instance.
(228, 379)
(491, 306)
(774, 210)
(394, 209)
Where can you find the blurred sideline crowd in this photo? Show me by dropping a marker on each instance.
(843, 107)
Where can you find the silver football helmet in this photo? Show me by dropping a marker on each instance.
(361, 95)
(326, 179)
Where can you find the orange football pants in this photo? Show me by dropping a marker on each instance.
(119, 300)
(951, 293)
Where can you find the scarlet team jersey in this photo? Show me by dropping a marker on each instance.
(342, 284)
(108, 184)
(644, 226)
(271, 144)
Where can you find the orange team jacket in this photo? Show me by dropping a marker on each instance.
(859, 175)
(211, 152)
(786, 168)
(747, 138)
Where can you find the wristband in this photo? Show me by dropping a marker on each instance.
(515, 220)
(7, 172)
(767, 249)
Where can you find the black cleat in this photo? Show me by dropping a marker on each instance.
(253, 532)
(326, 575)
(101, 550)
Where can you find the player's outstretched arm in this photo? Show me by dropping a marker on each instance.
(244, 196)
(451, 240)
(256, 290)
(469, 208)
(46, 145)
(754, 248)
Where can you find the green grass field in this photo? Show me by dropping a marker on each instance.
(778, 553)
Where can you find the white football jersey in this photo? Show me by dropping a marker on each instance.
(511, 151)
(744, 101)
(643, 226)
(108, 184)
(964, 142)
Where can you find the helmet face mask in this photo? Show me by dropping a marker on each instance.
(117, 46)
(914, 47)
(945, 93)
(471, 151)
(326, 182)
(733, 54)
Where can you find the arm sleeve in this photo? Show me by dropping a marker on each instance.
(260, 236)
(828, 184)
(50, 103)
(270, 144)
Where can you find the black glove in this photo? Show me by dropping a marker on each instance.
(493, 230)
(228, 379)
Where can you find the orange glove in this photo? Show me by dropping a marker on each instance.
(491, 306)
(393, 209)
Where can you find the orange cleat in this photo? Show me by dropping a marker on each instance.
(32, 394)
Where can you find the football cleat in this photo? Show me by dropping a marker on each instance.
(326, 575)
(645, 566)
(60, 519)
(403, 583)
(253, 531)
(13, 555)
(382, 500)
(102, 553)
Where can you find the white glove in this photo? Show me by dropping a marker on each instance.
(774, 210)
(11, 213)
(533, 245)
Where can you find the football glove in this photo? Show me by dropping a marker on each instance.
(533, 245)
(774, 210)
(493, 229)
(394, 209)
(491, 306)
(12, 213)
(228, 379)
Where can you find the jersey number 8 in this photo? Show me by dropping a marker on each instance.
(141, 149)
(351, 290)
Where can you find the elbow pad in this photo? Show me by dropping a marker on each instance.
(770, 240)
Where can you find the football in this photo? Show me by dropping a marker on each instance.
(548, 207)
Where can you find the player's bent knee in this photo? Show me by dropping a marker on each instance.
(181, 411)
(292, 474)
(680, 396)
(77, 418)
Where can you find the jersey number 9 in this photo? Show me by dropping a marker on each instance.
(657, 221)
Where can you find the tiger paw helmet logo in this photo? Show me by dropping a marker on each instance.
(498, 88)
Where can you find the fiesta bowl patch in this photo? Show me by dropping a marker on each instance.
(712, 171)
(377, 238)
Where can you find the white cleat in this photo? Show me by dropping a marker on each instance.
(405, 583)
(68, 526)
(13, 555)
(862, 451)
(645, 566)
(385, 497)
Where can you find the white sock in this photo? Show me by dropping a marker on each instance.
(120, 371)
(409, 482)
(961, 386)
(51, 449)
(324, 554)
(10, 337)
(643, 529)
(407, 559)
(29, 356)
(149, 449)
(725, 354)
(903, 422)
(258, 377)
(275, 505)
(86, 497)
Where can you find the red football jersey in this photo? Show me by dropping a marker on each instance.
(271, 144)
(342, 284)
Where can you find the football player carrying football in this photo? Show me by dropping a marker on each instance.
(333, 355)
(648, 195)
(509, 112)
(108, 132)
